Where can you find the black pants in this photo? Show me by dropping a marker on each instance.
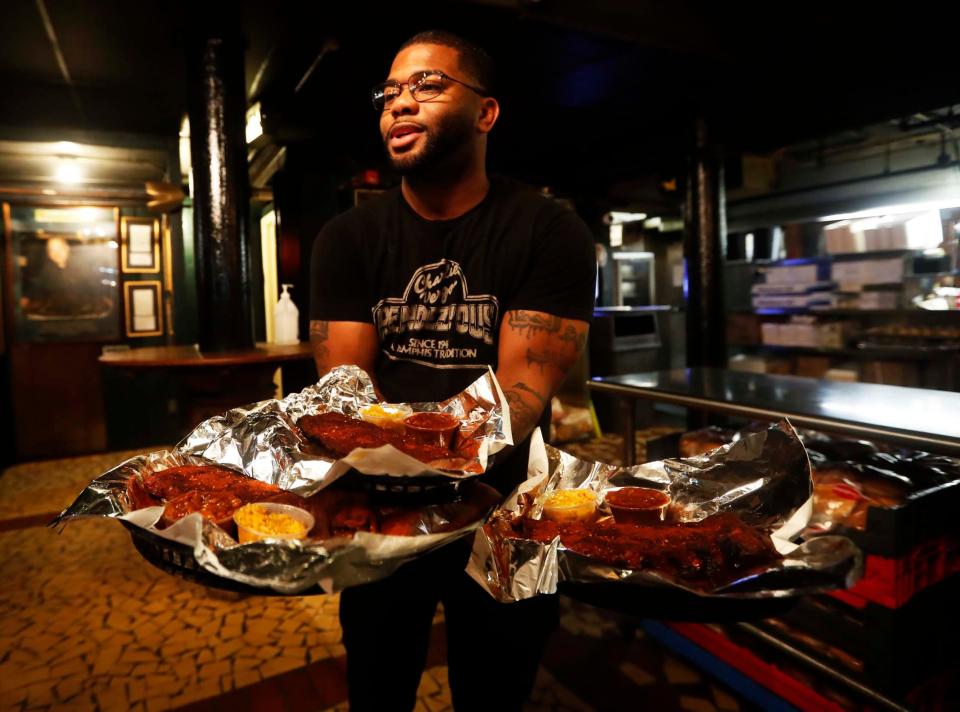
(493, 649)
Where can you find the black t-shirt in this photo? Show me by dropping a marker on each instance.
(437, 291)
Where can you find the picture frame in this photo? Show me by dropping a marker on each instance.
(139, 245)
(62, 272)
(143, 308)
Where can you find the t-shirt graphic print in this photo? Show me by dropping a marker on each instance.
(437, 322)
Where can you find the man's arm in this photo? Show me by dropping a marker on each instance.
(337, 343)
(536, 352)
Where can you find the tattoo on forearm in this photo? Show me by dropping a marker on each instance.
(527, 389)
(319, 335)
(523, 414)
(520, 413)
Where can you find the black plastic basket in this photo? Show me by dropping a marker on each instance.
(177, 559)
(422, 489)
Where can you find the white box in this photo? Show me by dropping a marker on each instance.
(805, 335)
(841, 374)
(861, 272)
(878, 300)
(749, 364)
(770, 333)
(791, 274)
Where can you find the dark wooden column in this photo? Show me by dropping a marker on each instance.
(705, 228)
(217, 109)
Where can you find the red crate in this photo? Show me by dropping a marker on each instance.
(893, 582)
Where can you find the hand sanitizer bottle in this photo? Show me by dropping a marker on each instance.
(286, 316)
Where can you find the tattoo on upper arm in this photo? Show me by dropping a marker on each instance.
(541, 359)
(572, 335)
(532, 323)
(319, 335)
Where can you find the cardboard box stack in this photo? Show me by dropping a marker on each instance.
(794, 286)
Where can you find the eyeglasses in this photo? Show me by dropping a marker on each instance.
(423, 86)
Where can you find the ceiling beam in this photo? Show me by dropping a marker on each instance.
(58, 55)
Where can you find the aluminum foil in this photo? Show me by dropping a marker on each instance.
(262, 441)
(763, 477)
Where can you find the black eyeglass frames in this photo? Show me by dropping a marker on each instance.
(423, 86)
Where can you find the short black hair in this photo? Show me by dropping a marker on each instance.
(473, 58)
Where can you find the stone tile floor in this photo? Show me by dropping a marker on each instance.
(87, 624)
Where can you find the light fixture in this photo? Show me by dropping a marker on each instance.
(254, 125)
(616, 235)
(68, 171)
(186, 162)
(894, 210)
(632, 255)
(617, 218)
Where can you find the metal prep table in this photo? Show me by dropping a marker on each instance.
(920, 418)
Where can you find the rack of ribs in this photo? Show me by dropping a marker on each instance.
(714, 549)
(340, 434)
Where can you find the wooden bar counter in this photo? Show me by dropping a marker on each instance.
(202, 385)
(189, 356)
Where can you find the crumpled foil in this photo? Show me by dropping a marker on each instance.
(763, 477)
(262, 441)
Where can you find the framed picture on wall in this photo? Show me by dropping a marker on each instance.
(61, 272)
(141, 301)
(139, 245)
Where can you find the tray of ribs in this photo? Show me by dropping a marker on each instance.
(288, 494)
(311, 438)
(446, 447)
(183, 515)
(690, 539)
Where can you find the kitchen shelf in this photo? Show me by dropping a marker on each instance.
(839, 257)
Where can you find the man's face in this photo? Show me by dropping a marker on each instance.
(58, 250)
(419, 135)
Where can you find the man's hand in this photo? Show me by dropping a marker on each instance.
(536, 352)
(337, 343)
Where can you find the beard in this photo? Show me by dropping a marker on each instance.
(444, 140)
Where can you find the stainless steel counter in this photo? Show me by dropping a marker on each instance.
(921, 418)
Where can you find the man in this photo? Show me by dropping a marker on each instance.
(424, 287)
(64, 285)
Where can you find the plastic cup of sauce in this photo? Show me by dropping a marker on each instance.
(638, 505)
(432, 428)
